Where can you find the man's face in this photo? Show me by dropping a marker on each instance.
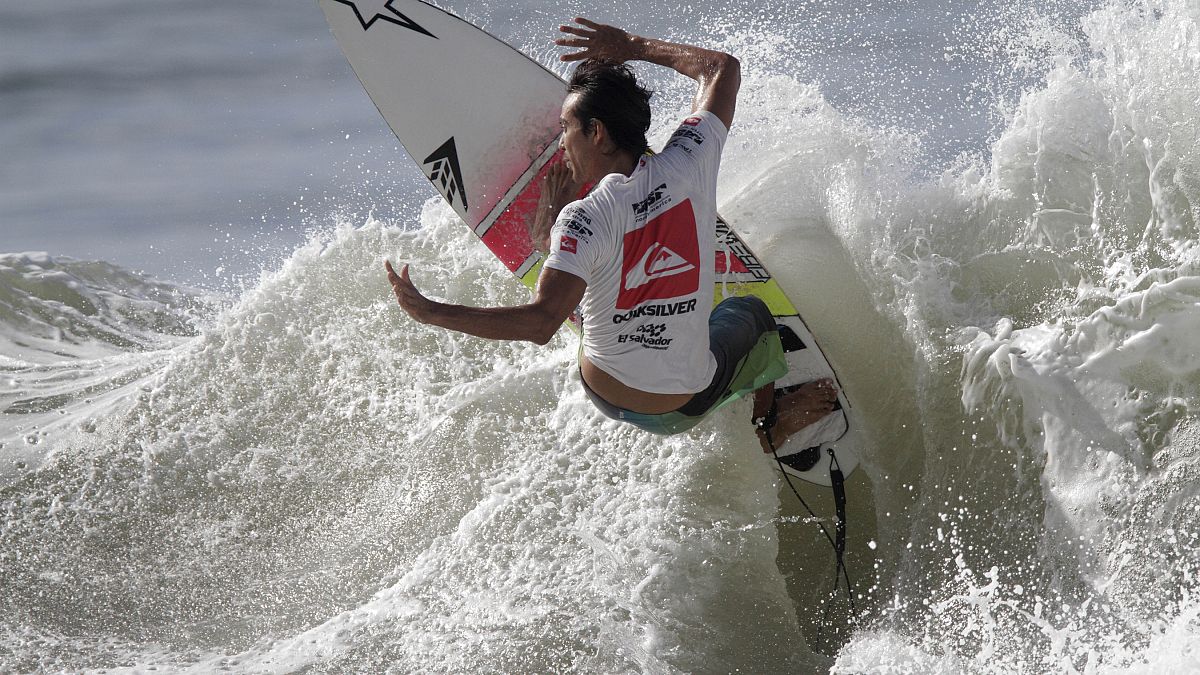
(574, 141)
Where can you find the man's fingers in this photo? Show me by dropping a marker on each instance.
(393, 278)
(576, 31)
(585, 22)
(577, 56)
(400, 282)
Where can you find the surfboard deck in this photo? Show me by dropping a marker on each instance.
(481, 119)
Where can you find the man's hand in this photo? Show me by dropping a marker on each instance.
(600, 42)
(558, 294)
(718, 74)
(416, 305)
(558, 189)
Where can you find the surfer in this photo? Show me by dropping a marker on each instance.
(636, 253)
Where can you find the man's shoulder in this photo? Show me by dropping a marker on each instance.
(580, 216)
(594, 218)
(695, 131)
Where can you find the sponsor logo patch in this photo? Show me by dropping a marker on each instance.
(568, 244)
(692, 121)
(578, 228)
(649, 336)
(691, 134)
(651, 200)
(661, 259)
(576, 212)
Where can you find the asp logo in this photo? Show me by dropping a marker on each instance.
(661, 260)
(651, 200)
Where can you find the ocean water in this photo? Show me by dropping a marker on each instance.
(222, 447)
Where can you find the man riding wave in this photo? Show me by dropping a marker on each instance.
(636, 254)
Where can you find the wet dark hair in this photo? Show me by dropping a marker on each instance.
(610, 92)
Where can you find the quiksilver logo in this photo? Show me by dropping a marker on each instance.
(668, 309)
(446, 173)
(661, 259)
(370, 11)
(657, 262)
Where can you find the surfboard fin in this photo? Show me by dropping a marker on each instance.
(790, 341)
(803, 460)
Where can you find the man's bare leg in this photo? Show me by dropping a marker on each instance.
(798, 409)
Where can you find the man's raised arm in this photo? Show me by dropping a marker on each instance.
(717, 73)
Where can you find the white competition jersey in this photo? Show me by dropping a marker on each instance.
(645, 246)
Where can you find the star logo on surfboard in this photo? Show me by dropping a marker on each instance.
(446, 173)
(370, 11)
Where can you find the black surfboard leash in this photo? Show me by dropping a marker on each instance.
(837, 540)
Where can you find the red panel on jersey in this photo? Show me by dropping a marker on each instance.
(661, 260)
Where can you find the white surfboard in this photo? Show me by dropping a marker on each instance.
(482, 121)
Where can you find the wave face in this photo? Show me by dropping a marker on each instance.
(314, 470)
(299, 478)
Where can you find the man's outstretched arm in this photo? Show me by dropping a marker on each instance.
(558, 294)
(718, 74)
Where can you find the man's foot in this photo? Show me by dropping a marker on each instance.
(807, 405)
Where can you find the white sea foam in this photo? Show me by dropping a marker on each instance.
(301, 478)
(315, 471)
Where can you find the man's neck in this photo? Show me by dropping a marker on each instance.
(623, 163)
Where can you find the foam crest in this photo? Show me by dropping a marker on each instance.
(1098, 388)
(317, 479)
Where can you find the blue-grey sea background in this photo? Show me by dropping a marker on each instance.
(193, 141)
(223, 446)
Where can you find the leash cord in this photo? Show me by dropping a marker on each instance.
(837, 479)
